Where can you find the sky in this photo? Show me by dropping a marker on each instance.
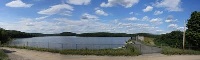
(85, 16)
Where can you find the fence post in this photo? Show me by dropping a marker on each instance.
(92, 46)
(151, 49)
(14, 43)
(62, 46)
(140, 48)
(48, 45)
(26, 43)
(76, 46)
(37, 44)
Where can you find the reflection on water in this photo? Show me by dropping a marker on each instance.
(71, 42)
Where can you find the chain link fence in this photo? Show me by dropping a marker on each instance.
(67, 46)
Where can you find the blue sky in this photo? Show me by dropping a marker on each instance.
(80, 16)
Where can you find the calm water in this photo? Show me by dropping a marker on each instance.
(71, 42)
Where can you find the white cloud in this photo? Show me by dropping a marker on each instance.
(158, 12)
(33, 26)
(160, 31)
(18, 3)
(171, 5)
(40, 18)
(156, 21)
(79, 2)
(171, 21)
(100, 12)
(131, 13)
(132, 18)
(148, 8)
(87, 16)
(57, 9)
(145, 18)
(181, 28)
(125, 3)
(175, 26)
(78, 26)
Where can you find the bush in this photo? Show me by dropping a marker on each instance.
(172, 39)
(3, 56)
(176, 51)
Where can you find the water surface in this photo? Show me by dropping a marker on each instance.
(71, 42)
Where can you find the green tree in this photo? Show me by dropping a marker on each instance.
(173, 39)
(193, 31)
(3, 36)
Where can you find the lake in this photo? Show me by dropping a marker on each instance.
(71, 42)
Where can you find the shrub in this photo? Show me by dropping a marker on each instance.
(3, 56)
(176, 51)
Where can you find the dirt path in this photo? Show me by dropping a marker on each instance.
(23, 54)
(146, 49)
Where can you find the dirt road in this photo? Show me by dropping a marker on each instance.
(23, 54)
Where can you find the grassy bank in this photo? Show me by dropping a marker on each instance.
(176, 51)
(3, 56)
(110, 52)
(149, 41)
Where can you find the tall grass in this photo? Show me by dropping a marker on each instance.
(111, 52)
(3, 56)
(176, 51)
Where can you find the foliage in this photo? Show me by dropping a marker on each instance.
(193, 31)
(173, 39)
(67, 34)
(6, 35)
(147, 35)
(3, 36)
(176, 51)
(3, 56)
(110, 52)
(18, 34)
(103, 34)
(148, 41)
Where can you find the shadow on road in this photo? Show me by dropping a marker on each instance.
(8, 51)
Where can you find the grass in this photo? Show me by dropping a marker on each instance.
(148, 41)
(3, 56)
(176, 51)
(101, 52)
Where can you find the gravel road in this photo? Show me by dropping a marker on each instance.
(23, 54)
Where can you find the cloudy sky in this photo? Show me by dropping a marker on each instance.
(80, 16)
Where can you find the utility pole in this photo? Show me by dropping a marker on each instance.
(184, 36)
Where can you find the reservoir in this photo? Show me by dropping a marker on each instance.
(71, 42)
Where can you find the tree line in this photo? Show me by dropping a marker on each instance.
(6, 35)
(175, 38)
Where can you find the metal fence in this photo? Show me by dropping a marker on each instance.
(142, 48)
(66, 46)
